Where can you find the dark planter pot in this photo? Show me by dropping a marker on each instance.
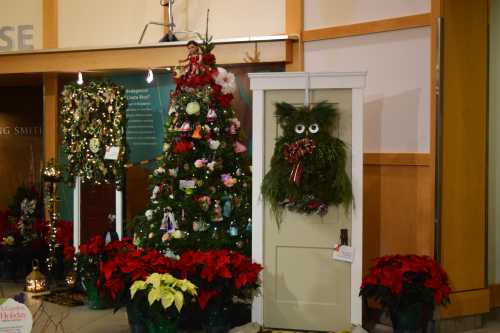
(411, 319)
(95, 301)
(217, 321)
(135, 320)
(162, 326)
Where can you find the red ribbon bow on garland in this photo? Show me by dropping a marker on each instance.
(293, 153)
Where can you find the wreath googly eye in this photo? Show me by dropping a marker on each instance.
(314, 128)
(300, 128)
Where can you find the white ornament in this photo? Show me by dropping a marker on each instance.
(159, 171)
(213, 144)
(211, 165)
(149, 214)
(193, 108)
(156, 190)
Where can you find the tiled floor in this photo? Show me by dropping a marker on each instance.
(52, 318)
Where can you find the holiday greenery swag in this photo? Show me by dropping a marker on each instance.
(399, 282)
(308, 167)
(201, 189)
(22, 224)
(93, 121)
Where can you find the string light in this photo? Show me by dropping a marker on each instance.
(150, 77)
(80, 78)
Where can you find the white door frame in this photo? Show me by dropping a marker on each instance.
(259, 83)
(77, 213)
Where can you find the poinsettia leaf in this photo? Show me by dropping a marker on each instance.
(167, 298)
(155, 280)
(153, 296)
(138, 285)
(179, 300)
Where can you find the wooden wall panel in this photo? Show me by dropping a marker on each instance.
(50, 24)
(294, 25)
(398, 210)
(50, 116)
(358, 29)
(464, 143)
(20, 150)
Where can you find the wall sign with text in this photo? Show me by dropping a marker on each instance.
(16, 37)
(21, 130)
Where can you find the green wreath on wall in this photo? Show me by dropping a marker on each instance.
(308, 167)
(93, 125)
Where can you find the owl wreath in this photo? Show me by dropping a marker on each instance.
(308, 167)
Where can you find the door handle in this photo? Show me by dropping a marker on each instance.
(344, 237)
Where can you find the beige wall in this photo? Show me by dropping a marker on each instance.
(86, 23)
(397, 94)
(235, 18)
(89, 23)
(494, 148)
(15, 13)
(321, 13)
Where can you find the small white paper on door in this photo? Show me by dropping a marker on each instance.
(343, 253)
(112, 153)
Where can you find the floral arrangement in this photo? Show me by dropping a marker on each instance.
(22, 224)
(398, 282)
(93, 121)
(308, 167)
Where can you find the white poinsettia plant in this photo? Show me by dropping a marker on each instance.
(165, 289)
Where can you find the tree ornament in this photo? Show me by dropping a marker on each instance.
(308, 167)
(213, 144)
(217, 213)
(239, 147)
(211, 115)
(197, 132)
(233, 229)
(228, 208)
(186, 127)
(228, 180)
(193, 108)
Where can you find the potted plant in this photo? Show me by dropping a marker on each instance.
(224, 278)
(88, 261)
(122, 265)
(163, 296)
(409, 287)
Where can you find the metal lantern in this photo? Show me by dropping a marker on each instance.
(36, 281)
(71, 279)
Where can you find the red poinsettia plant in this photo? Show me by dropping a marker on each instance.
(221, 275)
(123, 264)
(398, 282)
(89, 257)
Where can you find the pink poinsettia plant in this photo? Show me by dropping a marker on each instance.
(397, 282)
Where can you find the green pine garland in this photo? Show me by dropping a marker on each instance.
(93, 118)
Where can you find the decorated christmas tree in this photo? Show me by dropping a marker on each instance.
(201, 189)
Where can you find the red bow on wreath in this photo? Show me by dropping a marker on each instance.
(293, 153)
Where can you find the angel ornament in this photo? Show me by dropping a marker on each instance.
(308, 167)
(191, 64)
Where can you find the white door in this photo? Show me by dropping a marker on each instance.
(304, 288)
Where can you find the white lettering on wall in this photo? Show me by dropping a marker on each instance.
(16, 37)
(21, 131)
